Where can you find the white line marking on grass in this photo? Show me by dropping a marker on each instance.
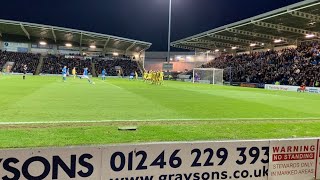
(152, 120)
(112, 85)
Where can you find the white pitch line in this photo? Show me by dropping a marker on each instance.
(153, 120)
(113, 85)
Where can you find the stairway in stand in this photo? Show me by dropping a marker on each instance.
(39, 68)
(93, 70)
(140, 66)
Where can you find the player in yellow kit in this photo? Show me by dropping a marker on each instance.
(158, 77)
(154, 77)
(136, 75)
(149, 77)
(145, 76)
(74, 73)
(161, 77)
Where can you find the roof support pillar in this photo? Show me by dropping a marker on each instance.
(105, 45)
(54, 35)
(131, 46)
(80, 43)
(144, 49)
(25, 31)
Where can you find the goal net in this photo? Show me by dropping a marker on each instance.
(208, 76)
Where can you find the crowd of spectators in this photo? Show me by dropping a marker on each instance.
(20, 59)
(110, 63)
(53, 64)
(292, 66)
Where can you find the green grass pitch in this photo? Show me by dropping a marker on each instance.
(44, 111)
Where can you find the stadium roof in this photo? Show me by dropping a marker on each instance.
(31, 32)
(284, 26)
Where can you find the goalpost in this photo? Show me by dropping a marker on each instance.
(208, 76)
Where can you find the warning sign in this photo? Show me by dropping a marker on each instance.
(293, 160)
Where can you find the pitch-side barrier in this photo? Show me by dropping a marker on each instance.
(314, 90)
(285, 159)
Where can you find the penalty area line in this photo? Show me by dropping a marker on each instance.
(152, 120)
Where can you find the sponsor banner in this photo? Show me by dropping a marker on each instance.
(60, 163)
(210, 160)
(29, 74)
(167, 66)
(293, 159)
(250, 85)
(255, 160)
(235, 84)
(314, 90)
(318, 160)
(15, 47)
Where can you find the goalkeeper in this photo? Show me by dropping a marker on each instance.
(196, 77)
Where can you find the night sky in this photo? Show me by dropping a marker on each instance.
(145, 20)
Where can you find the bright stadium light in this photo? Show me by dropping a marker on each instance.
(115, 54)
(217, 50)
(234, 48)
(68, 45)
(310, 36)
(92, 46)
(312, 23)
(262, 44)
(277, 41)
(43, 43)
(253, 44)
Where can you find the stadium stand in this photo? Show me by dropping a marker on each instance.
(18, 38)
(109, 63)
(53, 64)
(20, 59)
(267, 48)
(292, 66)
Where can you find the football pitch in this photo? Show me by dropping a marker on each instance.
(44, 111)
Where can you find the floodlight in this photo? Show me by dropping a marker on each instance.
(310, 35)
(277, 41)
(43, 43)
(92, 46)
(253, 44)
(115, 54)
(68, 45)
